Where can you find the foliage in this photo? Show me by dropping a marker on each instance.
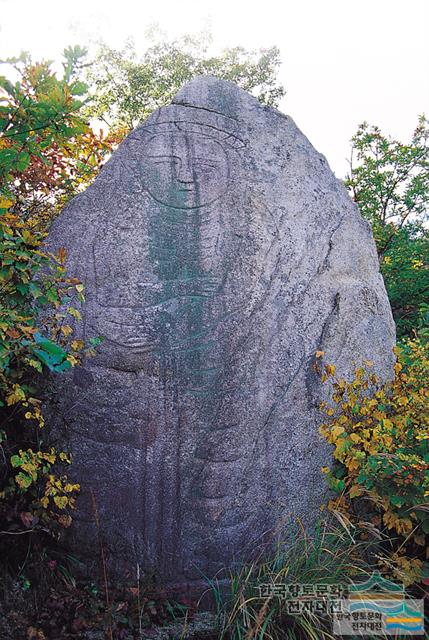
(32, 281)
(38, 113)
(390, 183)
(405, 269)
(64, 608)
(127, 89)
(381, 452)
(47, 150)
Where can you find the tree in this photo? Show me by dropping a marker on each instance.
(389, 181)
(127, 89)
(48, 152)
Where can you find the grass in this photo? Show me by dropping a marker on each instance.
(330, 555)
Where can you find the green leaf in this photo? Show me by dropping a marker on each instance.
(23, 480)
(52, 361)
(51, 354)
(78, 88)
(22, 161)
(16, 461)
(49, 346)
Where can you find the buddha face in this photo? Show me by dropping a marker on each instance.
(185, 170)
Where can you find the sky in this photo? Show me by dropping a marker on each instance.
(343, 61)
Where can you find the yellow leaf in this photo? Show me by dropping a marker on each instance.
(66, 330)
(353, 464)
(71, 487)
(330, 369)
(319, 354)
(33, 633)
(15, 396)
(355, 438)
(61, 501)
(355, 490)
(75, 313)
(5, 203)
(337, 430)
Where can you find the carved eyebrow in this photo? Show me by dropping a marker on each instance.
(161, 157)
(208, 160)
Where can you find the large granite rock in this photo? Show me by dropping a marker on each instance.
(218, 253)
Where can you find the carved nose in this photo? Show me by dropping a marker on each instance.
(184, 173)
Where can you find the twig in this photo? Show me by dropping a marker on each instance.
(103, 563)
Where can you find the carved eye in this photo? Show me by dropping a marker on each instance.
(163, 161)
(207, 166)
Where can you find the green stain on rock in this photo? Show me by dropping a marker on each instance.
(185, 287)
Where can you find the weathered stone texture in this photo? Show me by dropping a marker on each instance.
(218, 253)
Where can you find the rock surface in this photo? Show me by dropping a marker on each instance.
(218, 253)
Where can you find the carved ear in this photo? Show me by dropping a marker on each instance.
(130, 161)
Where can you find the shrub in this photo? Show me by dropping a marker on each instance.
(42, 153)
(32, 494)
(381, 455)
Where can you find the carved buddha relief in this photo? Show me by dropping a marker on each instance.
(184, 168)
(214, 269)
